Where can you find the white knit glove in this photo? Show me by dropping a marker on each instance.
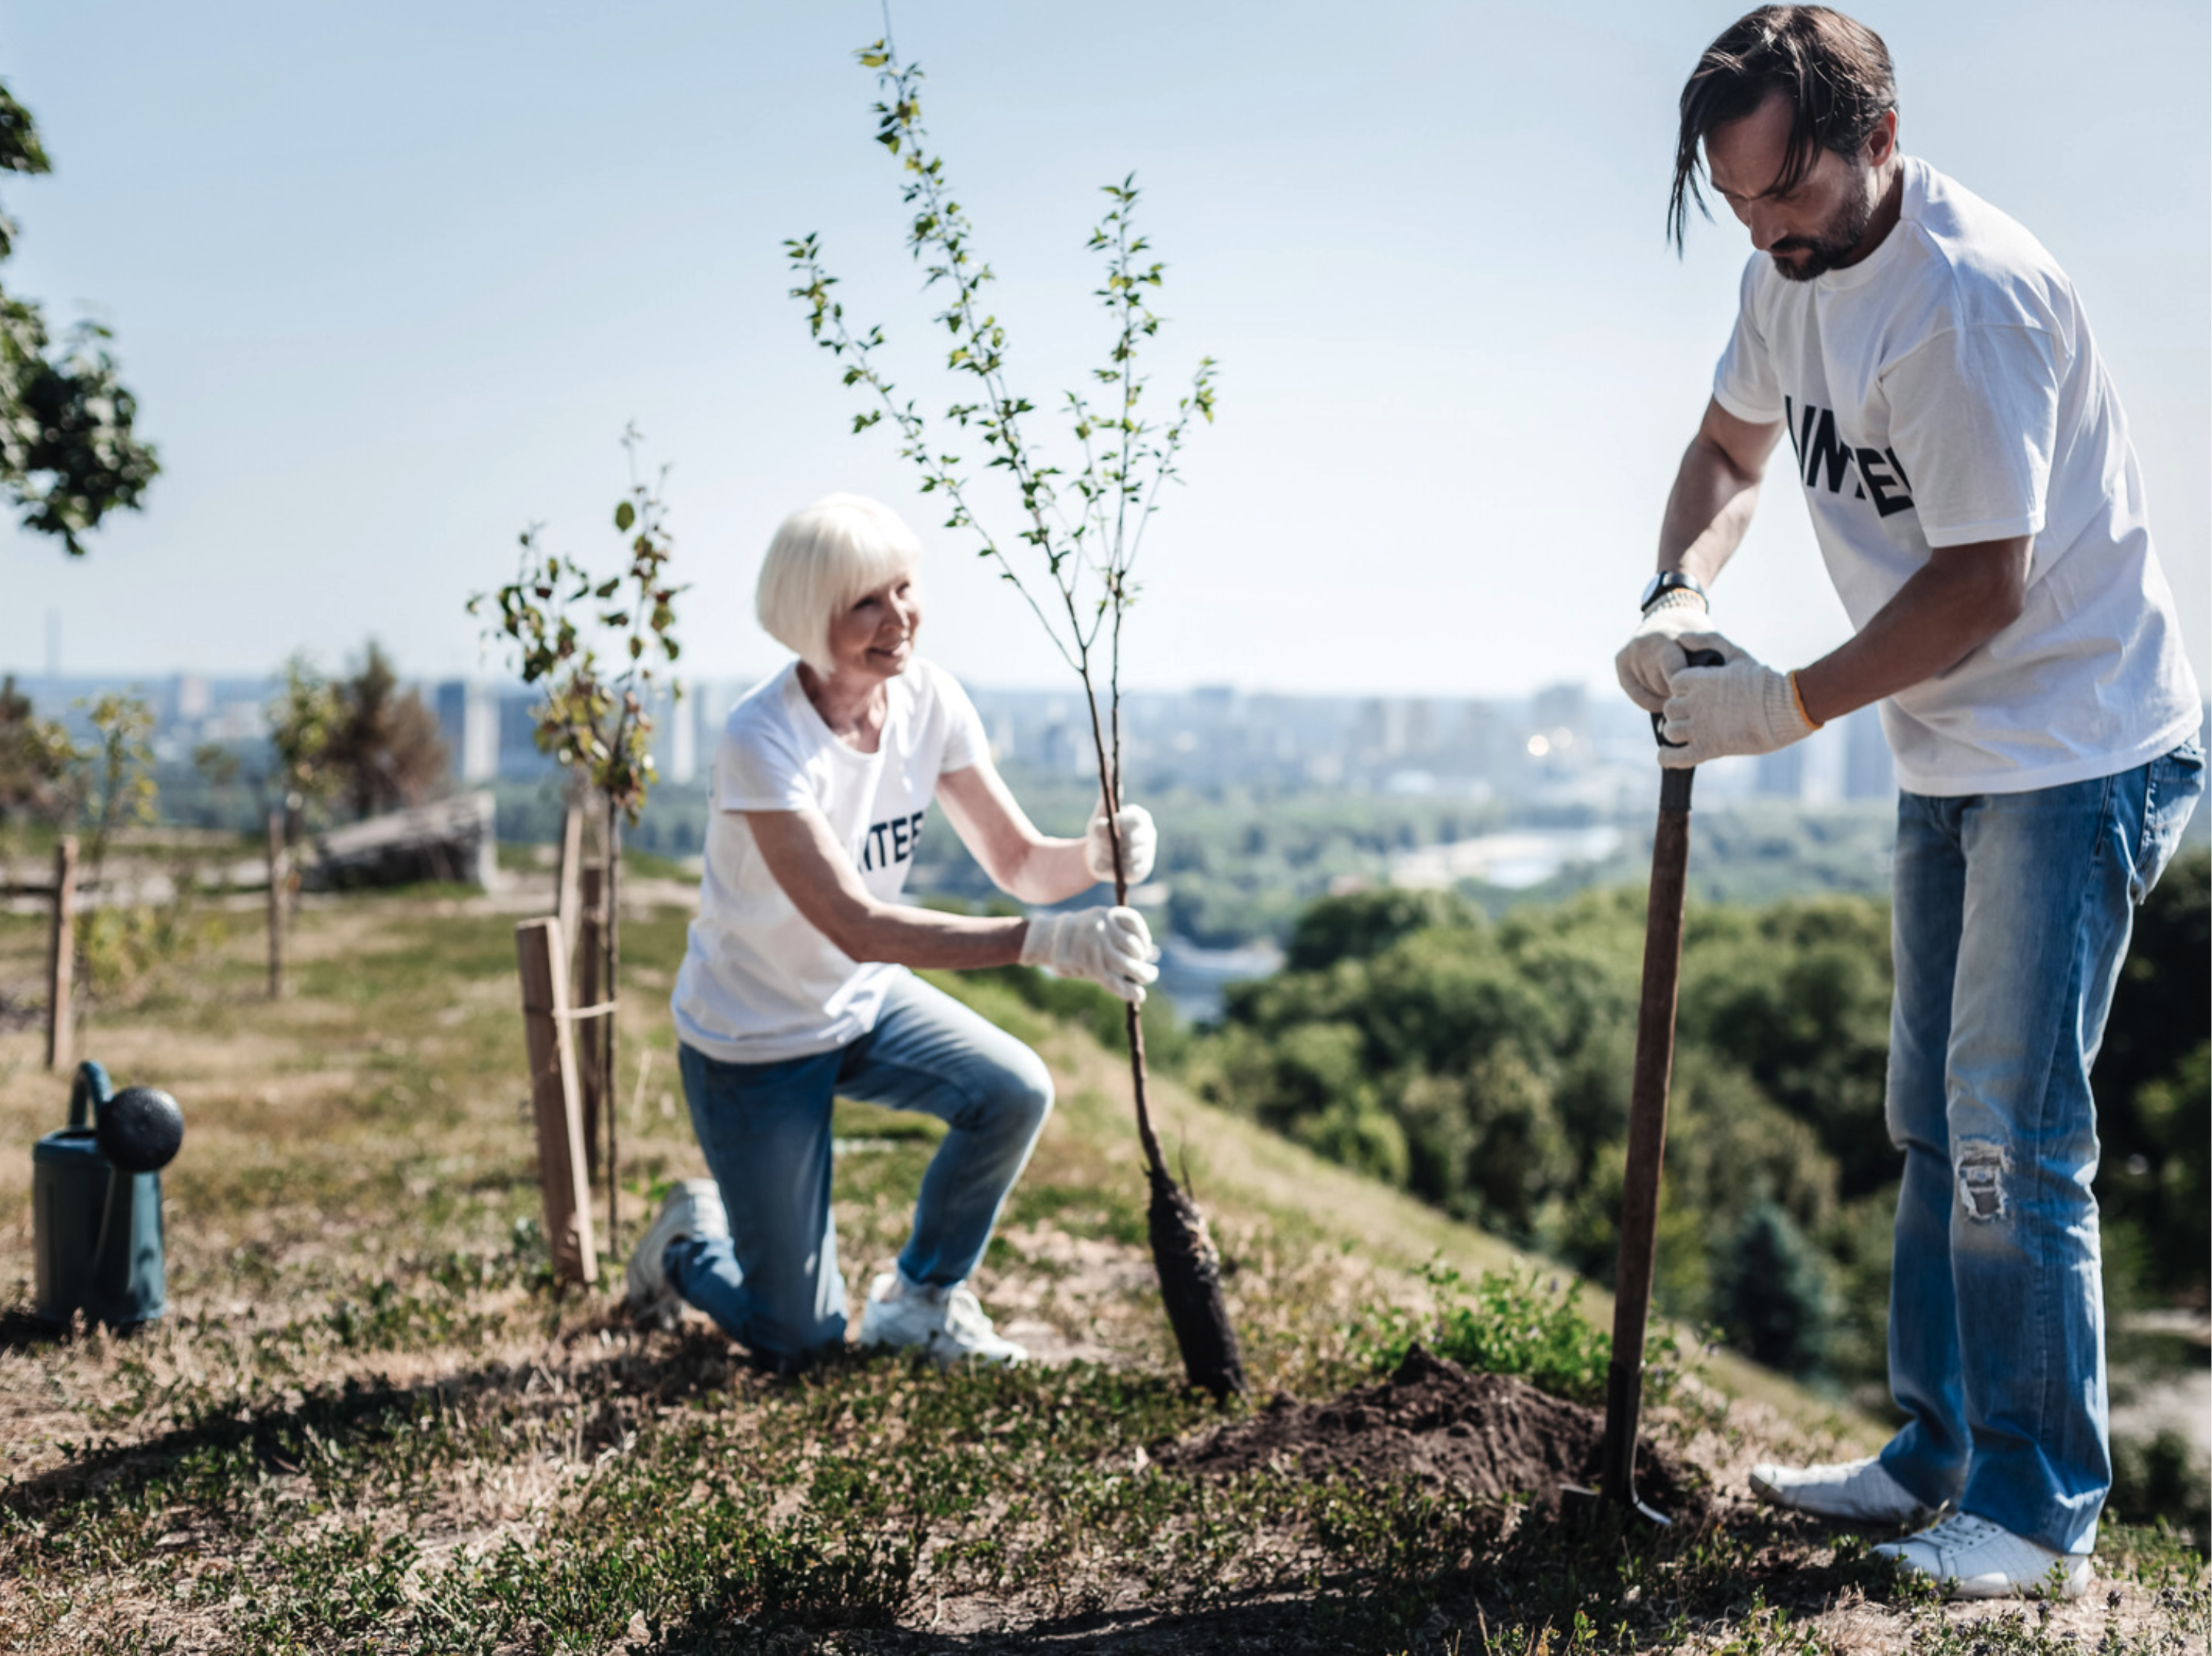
(1651, 656)
(1739, 706)
(1141, 840)
(1109, 946)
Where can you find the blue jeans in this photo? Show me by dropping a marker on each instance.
(2012, 918)
(773, 1285)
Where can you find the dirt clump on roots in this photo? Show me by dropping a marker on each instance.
(1436, 1424)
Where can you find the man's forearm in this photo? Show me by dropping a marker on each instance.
(1960, 600)
(1708, 511)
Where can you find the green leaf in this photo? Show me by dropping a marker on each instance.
(625, 515)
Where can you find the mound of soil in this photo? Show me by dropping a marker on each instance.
(1435, 1423)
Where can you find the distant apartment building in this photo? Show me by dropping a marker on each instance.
(1869, 771)
(467, 719)
(1847, 759)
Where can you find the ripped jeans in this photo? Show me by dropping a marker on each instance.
(2012, 918)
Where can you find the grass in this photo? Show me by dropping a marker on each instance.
(372, 1424)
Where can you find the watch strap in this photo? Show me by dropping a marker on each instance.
(1670, 581)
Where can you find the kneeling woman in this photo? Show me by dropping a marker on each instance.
(795, 989)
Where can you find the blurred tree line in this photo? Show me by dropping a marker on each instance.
(348, 746)
(1240, 863)
(1484, 1065)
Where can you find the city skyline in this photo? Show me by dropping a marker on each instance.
(1560, 744)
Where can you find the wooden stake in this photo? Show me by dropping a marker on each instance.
(613, 996)
(543, 959)
(567, 873)
(61, 959)
(279, 875)
(591, 961)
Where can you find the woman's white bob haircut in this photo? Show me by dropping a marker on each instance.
(824, 558)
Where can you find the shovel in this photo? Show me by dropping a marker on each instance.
(1647, 1143)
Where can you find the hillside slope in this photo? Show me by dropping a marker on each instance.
(368, 1422)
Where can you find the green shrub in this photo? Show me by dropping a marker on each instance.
(1771, 1296)
(2161, 1479)
(1503, 1324)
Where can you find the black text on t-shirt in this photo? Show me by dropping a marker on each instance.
(1826, 459)
(886, 843)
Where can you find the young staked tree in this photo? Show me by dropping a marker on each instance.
(596, 715)
(1072, 556)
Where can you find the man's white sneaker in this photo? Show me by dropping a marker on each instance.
(694, 1208)
(1970, 1557)
(1858, 1491)
(946, 1324)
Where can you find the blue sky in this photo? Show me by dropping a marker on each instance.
(389, 282)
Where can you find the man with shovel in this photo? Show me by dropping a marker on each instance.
(1978, 503)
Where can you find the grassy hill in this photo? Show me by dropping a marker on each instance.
(369, 1423)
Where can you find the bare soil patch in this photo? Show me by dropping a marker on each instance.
(1434, 1422)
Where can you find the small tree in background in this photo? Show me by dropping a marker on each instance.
(119, 770)
(118, 941)
(304, 717)
(385, 745)
(1082, 531)
(595, 716)
(69, 449)
(37, 776)
(360, 740)
(1771, 1296)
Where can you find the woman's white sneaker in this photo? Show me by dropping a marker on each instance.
(947, 1324)
(694, 1208)
(1971, 1557)
(1857, 1491)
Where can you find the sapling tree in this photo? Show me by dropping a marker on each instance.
(596, 715)
(305, 716)
(1072, 554)
(37, 760)
(119, 790)
(117, 941)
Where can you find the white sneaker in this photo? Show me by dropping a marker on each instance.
(946, 1324)
(1970, 1557)
(1859, 1491)
(694, 1208)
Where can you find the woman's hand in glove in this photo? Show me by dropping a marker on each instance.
(1109, 946)
(1139, 841)
(1739, 706)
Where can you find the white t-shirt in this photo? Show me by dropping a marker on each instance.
(758, 983)
(1945, 390)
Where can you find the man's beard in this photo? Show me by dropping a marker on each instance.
(1830, 247)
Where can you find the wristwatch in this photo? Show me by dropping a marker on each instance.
(1670, 580)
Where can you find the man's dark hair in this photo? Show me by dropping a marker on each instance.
(1834, 70)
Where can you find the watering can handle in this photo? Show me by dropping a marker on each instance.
(91, 1090)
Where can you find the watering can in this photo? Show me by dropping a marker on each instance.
(96, 1203)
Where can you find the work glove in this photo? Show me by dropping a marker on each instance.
(1139, 841)
(1112, 947)
(1651, 657)
(1739, 707)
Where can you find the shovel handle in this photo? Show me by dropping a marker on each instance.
(1697, 658)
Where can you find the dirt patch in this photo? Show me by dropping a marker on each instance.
(1435, 1423)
